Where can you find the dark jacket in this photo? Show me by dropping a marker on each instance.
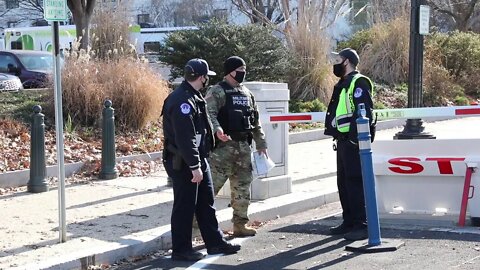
(185, 119)
(362, 96)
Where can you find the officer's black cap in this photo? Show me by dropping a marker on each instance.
(346, 53)
(232, 63)
(198, 67)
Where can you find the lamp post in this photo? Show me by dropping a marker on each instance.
(419, 16)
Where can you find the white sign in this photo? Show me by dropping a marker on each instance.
(55, 10)
(424, 20)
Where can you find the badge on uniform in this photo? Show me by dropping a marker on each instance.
(185, 107)
(358, 92)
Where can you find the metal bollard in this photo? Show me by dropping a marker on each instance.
(365, 146)
(37, 182)
(108, 170)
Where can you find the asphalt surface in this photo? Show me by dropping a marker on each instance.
(301, 241)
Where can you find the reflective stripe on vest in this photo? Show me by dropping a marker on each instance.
(345, 106)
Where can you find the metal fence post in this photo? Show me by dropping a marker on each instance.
(108, 170)
(37, 182)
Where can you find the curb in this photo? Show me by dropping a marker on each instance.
(21, 177)
(160, 238)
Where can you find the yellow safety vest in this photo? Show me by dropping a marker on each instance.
(346, 107)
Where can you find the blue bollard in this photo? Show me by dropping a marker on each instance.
(365, 146)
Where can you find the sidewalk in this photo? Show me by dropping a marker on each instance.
(115, 219)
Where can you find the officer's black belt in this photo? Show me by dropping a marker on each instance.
(342, 137)
(241, 136)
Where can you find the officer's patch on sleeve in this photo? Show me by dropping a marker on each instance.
(358, 92)
(185, 107)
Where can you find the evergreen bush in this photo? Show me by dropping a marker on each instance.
(266, 56)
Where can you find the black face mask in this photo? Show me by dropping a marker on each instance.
(339, 69)
(239, 76)
(205, 83)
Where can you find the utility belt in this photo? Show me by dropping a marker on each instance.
(241, 136)
(342, 137)
(177, 161)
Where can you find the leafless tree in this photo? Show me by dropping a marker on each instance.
(311, 16)
(82, 11)
(261, 11)
(464, 14)
(32, 5)
(180, 12)
(27, 10)
(386, 10)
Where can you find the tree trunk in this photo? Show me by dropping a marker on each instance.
(462, 24)
(82, 27)
(82, 11)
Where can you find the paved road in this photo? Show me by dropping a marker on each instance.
(301, 241)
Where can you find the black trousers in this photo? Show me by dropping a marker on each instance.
(350, 183)
(184, 207)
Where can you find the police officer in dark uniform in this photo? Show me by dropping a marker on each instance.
(188, 140)
(351, 90)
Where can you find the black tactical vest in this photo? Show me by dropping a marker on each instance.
(238, 114)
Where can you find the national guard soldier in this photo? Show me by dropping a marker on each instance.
(234, 116)
(351, 90)
(188, 140)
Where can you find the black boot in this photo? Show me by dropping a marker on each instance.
(358, 232)
(191, 255)
(341, 229)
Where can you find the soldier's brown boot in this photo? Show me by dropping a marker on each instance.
(242, 230)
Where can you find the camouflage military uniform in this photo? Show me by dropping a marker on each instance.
(231, 160)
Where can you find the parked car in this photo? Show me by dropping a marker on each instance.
(32, 67)
(10, 83)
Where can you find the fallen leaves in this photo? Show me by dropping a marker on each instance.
(83, 145)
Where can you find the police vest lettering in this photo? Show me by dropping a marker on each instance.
(346, 106)
(237, 115)
(241, 100)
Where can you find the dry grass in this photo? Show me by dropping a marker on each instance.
(111, 34)
(313, 77)
(386, 58)
(310, 46)
(136, 91)
(110, 70)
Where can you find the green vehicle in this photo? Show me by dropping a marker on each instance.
(38, 38)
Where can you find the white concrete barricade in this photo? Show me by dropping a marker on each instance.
(271, 98)
(425, 177)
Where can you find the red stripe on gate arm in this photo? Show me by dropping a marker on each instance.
(467, 111)
(305, 117)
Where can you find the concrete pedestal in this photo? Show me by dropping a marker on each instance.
(271, 98)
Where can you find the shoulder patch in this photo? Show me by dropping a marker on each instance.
(185, 108)
(358, 92)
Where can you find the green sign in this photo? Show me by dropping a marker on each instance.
(55, 10)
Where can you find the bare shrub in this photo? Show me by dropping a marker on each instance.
(110, 70)
(439, 86)
(386, 58)
(136, 91)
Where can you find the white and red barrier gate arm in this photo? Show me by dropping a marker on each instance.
(407, 113)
